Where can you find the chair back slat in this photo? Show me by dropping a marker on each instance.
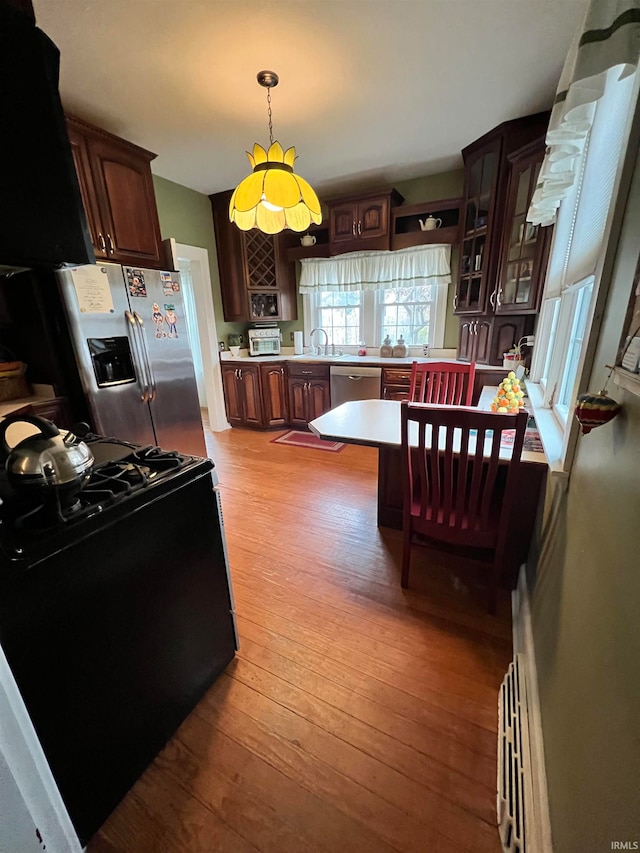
(442, 383)
(455, 482)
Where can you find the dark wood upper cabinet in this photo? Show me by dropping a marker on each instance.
(362, 222)
(117, 190)
(487, 169)
(502, 261)
(257, 280)
(525, 247)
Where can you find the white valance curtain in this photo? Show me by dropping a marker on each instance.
(610, 38)
(412, 267)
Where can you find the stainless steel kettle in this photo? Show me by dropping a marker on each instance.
(47, 460)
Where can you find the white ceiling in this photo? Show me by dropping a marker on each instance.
(371, 91)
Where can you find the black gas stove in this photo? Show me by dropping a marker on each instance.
(115, 615)
(124, 476)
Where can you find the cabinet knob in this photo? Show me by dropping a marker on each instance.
(353, 228)
(103, 245)
(498, 295)
(111, 246)
(359, 228)
(492, 299)
(455, 301)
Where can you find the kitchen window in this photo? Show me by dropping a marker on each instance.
(365, 296)
(581, 234)
(417, 313)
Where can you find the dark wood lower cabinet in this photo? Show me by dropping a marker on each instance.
(273, 381)
(485, 339)
(242, 394)
(275, 395)
(55, 409)
(309, 393)
(395, 383)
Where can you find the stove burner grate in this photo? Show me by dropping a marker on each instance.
(109, 482)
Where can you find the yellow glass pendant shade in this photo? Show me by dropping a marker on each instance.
(272, 197)
(298, 217)
(281, 188)
(249, 191)
(270, 221)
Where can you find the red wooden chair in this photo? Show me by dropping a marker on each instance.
(453, 492)
(442, 382)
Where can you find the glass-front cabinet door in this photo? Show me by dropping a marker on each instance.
(525, 247)
(477, 220)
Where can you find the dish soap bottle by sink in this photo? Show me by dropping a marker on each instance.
(386, 350)
(400, 350)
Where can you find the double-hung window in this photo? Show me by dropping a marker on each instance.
(352, 306)
(577, 252)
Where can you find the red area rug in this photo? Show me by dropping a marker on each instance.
(307, 439)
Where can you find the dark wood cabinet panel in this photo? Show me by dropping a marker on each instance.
(465, 340)
(309, 392)
(257, 281)
(485, 339)
(507, 331)
(298, 401)
(117, 191)
(362, 222)
(319, 398)
(525, 247)
(482, 335)
(497, 252)
(274, 395)
(395, 383)
(242, 394)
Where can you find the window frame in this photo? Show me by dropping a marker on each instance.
(371, 317)
(561, 299)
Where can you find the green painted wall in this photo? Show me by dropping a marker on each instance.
(186, 215)
(432, 188)
(585, 596)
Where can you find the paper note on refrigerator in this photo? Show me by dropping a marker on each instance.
(91, 284)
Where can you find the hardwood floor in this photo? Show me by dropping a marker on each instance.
(357, 716)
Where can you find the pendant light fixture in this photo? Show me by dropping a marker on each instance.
(272, 198)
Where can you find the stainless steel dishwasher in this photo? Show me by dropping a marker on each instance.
(354, 383)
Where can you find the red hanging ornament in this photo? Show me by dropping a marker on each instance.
(593, 410)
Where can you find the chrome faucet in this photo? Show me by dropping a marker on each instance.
(326, 341)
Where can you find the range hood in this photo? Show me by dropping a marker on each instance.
(42, 218)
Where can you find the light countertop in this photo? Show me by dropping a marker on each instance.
(376, 423)
(347, 359)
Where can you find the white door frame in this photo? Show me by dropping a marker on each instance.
(207, 333)
(27, 786)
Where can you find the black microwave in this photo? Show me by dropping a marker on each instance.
(42, 218)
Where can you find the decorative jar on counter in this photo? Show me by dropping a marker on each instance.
(386, 350)
(400, 350)
(362, 348)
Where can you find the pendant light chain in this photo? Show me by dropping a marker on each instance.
(270, 122)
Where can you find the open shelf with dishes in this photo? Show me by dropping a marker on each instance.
(427, 222)
(319, 249)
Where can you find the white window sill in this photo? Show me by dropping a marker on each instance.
(551, 435)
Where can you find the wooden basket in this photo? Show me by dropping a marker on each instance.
(13, 383)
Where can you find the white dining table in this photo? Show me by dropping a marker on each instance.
(376, 423)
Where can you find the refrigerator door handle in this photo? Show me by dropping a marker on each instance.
(152, 379)
(142, 378)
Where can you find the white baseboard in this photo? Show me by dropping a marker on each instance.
(538, 830)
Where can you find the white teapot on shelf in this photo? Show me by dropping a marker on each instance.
(430, 223)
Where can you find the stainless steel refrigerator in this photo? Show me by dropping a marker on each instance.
(130, 339)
